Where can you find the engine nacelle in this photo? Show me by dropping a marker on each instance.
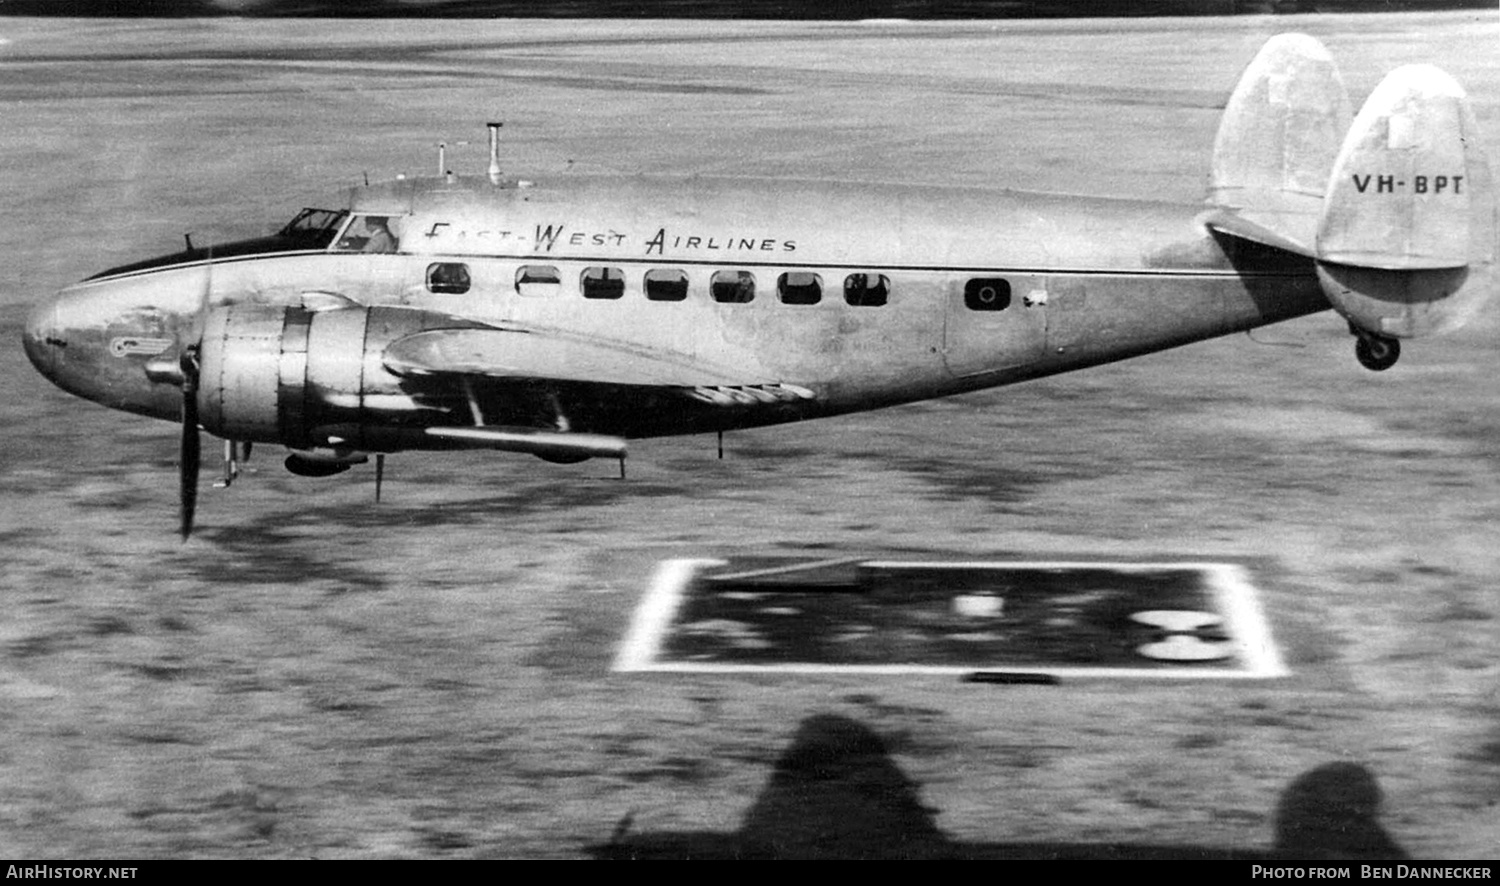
(307, 379)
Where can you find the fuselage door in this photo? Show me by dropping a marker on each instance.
(1067, 314)
(993, 322)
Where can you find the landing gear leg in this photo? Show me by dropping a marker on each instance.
(1376, 352)
(231, 463)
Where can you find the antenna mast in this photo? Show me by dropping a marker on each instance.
(495, 152)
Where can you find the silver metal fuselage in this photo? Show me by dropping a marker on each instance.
(1089, 281)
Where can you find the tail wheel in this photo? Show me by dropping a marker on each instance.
(1377, 353)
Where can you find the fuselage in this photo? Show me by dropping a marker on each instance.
(865, 294)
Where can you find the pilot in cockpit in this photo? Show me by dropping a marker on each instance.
(370, 233)
(381, 238)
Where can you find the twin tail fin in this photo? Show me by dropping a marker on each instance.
(1397, 207)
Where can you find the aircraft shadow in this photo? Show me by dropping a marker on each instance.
(836, 794)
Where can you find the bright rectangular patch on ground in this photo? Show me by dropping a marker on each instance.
(1057, 619)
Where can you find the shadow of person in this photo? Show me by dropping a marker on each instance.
(836, 793)
(1330, 813)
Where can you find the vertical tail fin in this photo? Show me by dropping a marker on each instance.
(1398, 208)
(1412, 187)
(1279, 137)
(1406, 245)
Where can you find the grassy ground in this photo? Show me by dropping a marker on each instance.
(313, 675)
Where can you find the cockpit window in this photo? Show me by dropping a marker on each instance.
(309, 229)
(371, 233)
(316, 226)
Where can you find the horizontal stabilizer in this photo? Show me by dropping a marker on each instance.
(1411, 188)
(1230, 222)
(1279, 137)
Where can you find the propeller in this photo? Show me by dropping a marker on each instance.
(190, 366)
(191, 444)
(183, 369)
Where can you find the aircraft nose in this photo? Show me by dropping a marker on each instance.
(42, 338)
(93, 340)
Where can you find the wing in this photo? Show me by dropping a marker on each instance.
(532, 357)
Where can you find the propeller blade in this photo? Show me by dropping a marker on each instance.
(187, 486)
(191, 444)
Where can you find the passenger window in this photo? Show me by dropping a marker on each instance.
(733, 287)
(602, 282)
(448, 278)
(538, 280)
(867, 290)
(666, 285)
(800, 288)
(987, 294)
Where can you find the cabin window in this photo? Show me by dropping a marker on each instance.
(987, 294)
(370, 233)
(449, 278)
(867, 290)
(800, 288)
(538, 280)
(666, 285)
(733, 287)
(602, 282)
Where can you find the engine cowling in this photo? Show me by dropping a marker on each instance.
(306, 379)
